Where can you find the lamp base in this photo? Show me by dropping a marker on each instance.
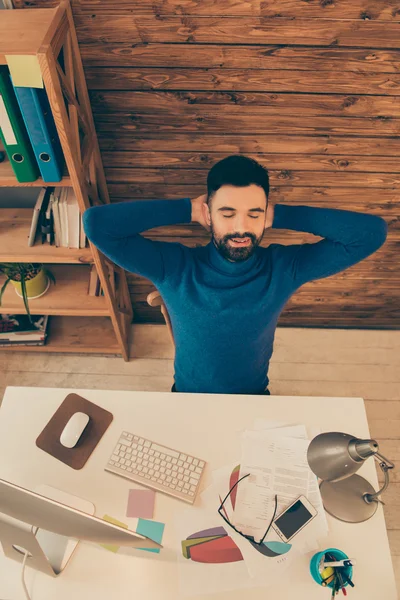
(344, 499)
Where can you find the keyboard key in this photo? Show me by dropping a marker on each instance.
(189, 459)
(198, 470)
(186, 479)
(180, 477)
(123, 467)
(191, 494)
(174, 461)
(164, 450)
(183, 457)
(180, 463)
(195, 462)
(129, 469)
(186, 465)
(192, 488)
(192, 468)
(193, 481)
(147, 444)
(114, 458)
(201, 464)
(186, 486)
(195, 475)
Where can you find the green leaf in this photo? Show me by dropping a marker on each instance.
(25, 297)
(3, 289)
(50, 275)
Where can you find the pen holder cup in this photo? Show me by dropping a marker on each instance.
(316, 559)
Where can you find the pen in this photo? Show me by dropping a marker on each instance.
(345, 562)
(341, 584)
(345, 577)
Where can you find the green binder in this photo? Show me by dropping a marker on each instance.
(13, 133)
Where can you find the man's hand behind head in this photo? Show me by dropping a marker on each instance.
(198, 211)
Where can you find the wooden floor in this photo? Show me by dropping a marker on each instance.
(306, 362)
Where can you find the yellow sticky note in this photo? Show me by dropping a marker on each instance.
(25, 70)
(113, 547)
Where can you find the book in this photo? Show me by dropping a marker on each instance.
(18, 328)
(63, 217)
(48, 224)
(82, 236)
(54, 198)
(94, 282)
(36, 214)
(74, 218)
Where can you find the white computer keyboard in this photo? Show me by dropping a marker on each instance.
(158, 467)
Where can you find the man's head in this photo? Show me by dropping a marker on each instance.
(237, 200)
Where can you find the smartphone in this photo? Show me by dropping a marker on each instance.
(294, 518)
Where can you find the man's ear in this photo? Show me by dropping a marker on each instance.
(206, 213)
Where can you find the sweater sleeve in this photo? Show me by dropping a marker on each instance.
(114, 229)
(349, 238)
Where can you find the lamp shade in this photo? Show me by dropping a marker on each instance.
(335, 456)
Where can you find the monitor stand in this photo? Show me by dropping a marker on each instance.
(48, 552)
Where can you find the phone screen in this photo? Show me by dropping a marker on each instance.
(293, 519)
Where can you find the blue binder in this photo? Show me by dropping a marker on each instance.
(42, 131)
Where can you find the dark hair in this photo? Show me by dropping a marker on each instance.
(237, 170)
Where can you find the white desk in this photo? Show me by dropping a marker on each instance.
(205, 425)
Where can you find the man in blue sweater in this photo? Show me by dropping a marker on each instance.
(224, 299)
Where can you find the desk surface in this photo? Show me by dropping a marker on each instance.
(192, 423)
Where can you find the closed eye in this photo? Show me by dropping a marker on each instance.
(230, 217)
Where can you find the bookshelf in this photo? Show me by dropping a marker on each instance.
(79, 322)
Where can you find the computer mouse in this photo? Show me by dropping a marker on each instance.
(74, 429)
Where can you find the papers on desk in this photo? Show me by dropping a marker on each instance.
(213, 557)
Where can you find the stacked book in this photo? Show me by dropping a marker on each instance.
(17, 330)
(95, 288)
(57, 219)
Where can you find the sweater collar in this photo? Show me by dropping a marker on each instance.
(227, 267)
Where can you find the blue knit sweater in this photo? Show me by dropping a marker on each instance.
(224, 314)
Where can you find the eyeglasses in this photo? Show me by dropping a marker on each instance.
(248, 537)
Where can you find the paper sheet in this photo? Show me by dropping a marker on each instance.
(25, 70)
(277, 465)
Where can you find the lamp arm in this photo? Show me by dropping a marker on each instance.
(385, 465)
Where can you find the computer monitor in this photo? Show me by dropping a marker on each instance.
(24, 512)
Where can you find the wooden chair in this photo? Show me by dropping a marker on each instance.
(155, 299)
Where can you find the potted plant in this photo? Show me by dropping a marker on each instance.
(31, 280)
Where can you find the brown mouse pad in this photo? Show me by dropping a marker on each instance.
(49, 438)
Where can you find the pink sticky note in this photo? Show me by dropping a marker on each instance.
(141, 504)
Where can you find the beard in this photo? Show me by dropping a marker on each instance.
(235, 253)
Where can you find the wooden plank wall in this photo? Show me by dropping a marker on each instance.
(309, 89)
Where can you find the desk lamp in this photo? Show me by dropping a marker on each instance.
(335, 457)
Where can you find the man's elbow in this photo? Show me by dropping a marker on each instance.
(381, 232)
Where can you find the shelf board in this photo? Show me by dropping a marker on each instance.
(15, 224)
(24, 31)
(8, 178)
(68, 297)
(74, 335)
